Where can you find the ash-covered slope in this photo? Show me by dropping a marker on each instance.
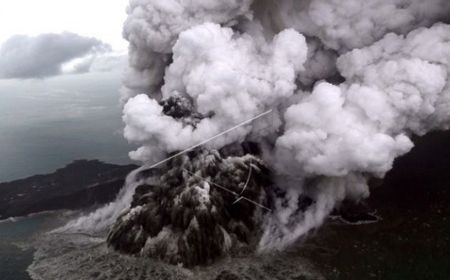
(79, 257)
(202, 205)
(80, 184)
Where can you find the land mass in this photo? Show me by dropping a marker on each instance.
(79, 185)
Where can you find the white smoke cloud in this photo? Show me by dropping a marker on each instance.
(395, 87)
(288, 223)
(153, 27)
(347, 93)
(328, 135)
(209, 64)
(345, 25)
(413, 72)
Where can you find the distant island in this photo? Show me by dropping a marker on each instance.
(79, 185)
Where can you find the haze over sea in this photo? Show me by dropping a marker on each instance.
(46, 124)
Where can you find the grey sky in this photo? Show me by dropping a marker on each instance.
(101, 19)
(40, 39)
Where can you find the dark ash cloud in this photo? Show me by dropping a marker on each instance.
(25, 57)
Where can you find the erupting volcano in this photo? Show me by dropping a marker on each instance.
(347, 84)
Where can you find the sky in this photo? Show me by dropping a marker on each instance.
(61, 67)
(48, 38)
(101, 19)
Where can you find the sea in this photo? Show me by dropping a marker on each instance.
(16, 235)
(45, 125)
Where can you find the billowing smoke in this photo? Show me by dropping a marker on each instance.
(232, 76)
(349, 83)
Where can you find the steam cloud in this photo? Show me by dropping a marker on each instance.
(349, 82)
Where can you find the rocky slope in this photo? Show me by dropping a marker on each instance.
(201, 206)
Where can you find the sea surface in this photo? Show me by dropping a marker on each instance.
(46, 124)
(16, 234)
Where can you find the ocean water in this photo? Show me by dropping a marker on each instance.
(46, 124)
(15, 236)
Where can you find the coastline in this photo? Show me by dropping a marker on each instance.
(35, 205)
(32, 215)
(79, 185)
(17, 237)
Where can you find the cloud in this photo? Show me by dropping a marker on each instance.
(95, 62)
(212, 63)
(152, 28)
(25, 57)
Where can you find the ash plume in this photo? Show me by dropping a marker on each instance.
(349, 83)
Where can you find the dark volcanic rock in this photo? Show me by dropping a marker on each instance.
(79, 185)
(202, 206)
(355, 212)
(227, 275)
(181, 108)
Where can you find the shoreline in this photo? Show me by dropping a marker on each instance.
(17, 240)
(81, 184)
(32, 215)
